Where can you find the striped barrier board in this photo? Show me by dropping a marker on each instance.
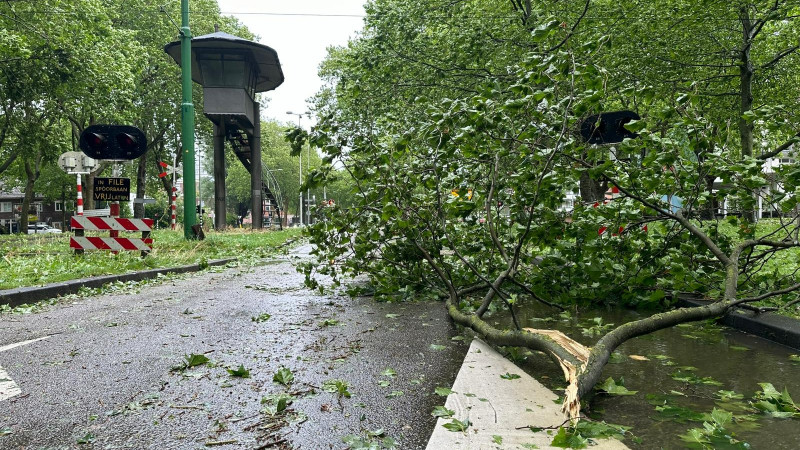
(110, 243)
(114, 225)
(110, 223)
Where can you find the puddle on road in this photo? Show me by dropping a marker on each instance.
(712, 359)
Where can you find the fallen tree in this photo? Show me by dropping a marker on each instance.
(468, 204)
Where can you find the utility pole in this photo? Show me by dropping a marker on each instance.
(187, 125)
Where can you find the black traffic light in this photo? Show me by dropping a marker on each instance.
(115, 142)
(607, 128)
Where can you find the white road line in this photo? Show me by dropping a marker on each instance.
(20, 344)
(8, 388)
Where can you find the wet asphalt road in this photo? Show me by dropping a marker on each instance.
(108, 373)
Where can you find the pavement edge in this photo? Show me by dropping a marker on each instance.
(26, 295)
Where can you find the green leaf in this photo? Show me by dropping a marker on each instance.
(457, 426)
(394, 394)
(194, 360)
(443, 391)
(541, 32)
(612, 388)
(443, 412)
(240, 372)
(261, 318)
(497, 439)
(389, 372)
(88, 438)
(338, 387)
(437, 347)
(510, 376)
(283, 376)
(721, 417)
(566, 438)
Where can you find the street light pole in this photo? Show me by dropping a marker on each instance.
(299, 116)
(187, 124)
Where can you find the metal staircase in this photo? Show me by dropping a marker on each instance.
(272, 196)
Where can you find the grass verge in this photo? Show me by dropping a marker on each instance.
(35, 260)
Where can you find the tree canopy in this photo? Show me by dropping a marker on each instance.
(459, 124)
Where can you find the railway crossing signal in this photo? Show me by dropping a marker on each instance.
(113, 142)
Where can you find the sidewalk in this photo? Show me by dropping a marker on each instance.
(498, 409)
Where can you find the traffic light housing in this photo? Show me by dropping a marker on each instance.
(113, 142)
(608, 128)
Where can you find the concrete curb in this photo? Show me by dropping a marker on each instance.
(500, 407)
(19, 296)
(780, 329)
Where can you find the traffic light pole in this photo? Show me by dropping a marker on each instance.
(187, 124)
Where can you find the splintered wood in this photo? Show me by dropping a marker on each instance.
(572, 405)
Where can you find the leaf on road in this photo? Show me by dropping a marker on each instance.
(283, 376)
(194, 360)
(443, 391)
(240, 372)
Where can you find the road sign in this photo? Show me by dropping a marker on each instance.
(112, 189)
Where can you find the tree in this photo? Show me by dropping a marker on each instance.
(737, 57)
(463, 200)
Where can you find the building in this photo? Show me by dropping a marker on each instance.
(51, 213)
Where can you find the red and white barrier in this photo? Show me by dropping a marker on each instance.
(111, 223)
(110, 243)
(114, 225)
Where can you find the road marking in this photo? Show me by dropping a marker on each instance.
(20, 344)
(8, 388)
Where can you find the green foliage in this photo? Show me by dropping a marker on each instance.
(443, 412)
(457, 426)
(263, 317)
(276, 403)
(41, 259)
(371, 440)
(509, 376)
(194, 360)
(714, 435)
(283, 376)
(581, 434)
(239, 372)
(776, 404)
(338, 387)
(443, 391)
(611, 387)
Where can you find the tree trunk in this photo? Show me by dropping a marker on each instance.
(32, 174)
(138, 208)
(592, 190)
(746, 95)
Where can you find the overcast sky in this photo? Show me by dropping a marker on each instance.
(299, 31)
